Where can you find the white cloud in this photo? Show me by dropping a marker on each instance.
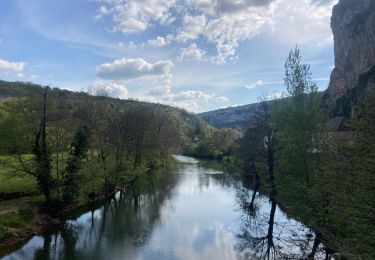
(254, 85)
(191, 95)
(103, 11)
(127, 69)
(159, 41)
(209, 30)
(132, 16)
(224, 30)
(192, 27)
(191, 53)
(163, 86)
(34, 77)
(117, 90)
(228, 30)
(225, 24)
(189, 99)
(302, 22)
(222, 99)
(113, 89)
(275, 95)
(160, 90)
(12, 66)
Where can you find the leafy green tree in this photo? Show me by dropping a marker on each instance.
(78, 151)
(298, 121)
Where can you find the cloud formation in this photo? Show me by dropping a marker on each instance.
(112, 89)
(223, 23)
(158, 41)
(12, 66)
(136, 15)
(191, 53)
(254, 85)
(127, 69)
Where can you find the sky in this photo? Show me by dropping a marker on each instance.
(199, 55)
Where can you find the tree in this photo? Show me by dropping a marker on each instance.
(42, 154)
(258, 144)
(298, 121)
(78, 151)
(61, 131)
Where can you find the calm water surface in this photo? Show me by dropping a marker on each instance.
(194, 211)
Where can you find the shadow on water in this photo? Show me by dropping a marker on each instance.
(193, 211)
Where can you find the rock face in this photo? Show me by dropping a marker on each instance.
(353, 27)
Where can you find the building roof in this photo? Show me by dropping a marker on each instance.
(335, 124)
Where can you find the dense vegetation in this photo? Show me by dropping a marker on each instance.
(73, 148)
(211, 143)
(325, 178)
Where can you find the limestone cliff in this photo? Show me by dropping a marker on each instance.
(353, 27)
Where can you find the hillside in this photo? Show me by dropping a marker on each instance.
(231, 116)
(27, 89)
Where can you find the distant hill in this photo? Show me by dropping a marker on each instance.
(235, 116)
(26, 89)
(231, 116)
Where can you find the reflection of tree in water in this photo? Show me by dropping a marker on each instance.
(59, 245)
(268, 235)
(41, 253)
(124, 222)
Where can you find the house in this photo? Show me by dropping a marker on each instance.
(337, 128)
(336, 124)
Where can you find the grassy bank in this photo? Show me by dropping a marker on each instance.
(27, 215)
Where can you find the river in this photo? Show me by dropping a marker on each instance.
(193, 211)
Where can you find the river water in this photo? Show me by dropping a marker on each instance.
(193, 211)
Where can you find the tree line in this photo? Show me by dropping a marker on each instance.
(82, 148)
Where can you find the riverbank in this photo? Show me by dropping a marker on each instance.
(26, 217)
(24, 214)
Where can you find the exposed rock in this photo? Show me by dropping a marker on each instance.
(353, 27)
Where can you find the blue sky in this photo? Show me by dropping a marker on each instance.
(196, 54)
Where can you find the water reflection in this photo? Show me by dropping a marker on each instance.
(267, 233)
(194, 211)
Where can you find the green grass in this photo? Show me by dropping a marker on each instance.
(11, 181)
(35, 200)
(15, 220)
